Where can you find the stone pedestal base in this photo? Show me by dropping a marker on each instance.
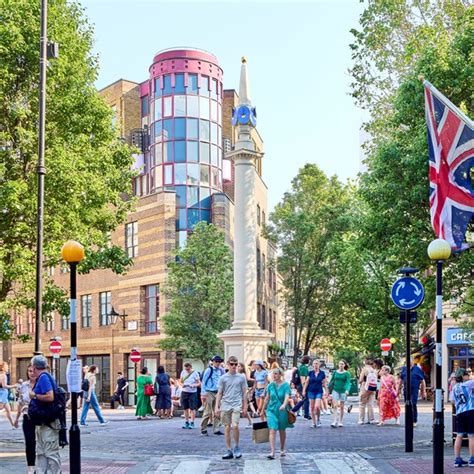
(246, 342)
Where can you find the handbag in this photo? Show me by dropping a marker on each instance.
(291, 416)
(260, 433)
(148, 390)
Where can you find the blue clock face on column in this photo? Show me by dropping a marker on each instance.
(244, 115)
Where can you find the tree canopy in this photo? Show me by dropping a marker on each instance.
(88, 180)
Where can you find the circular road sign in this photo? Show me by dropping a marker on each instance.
(407, 293)
(55, 347)
(135, 357)
(385, 345)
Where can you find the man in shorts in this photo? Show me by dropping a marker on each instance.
(231, 402)
(189, 381)
(462, 396)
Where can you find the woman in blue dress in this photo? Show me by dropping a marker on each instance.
(276, 404)
(314, 387)
(4, 392)
(163, 390)
(261, 381)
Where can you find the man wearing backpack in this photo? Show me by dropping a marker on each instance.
(209, 387)
(48, 459)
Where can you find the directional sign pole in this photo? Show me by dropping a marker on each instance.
(408, 404)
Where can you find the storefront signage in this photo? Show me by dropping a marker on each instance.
(459, 336)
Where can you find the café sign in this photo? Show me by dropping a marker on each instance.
(459, 336)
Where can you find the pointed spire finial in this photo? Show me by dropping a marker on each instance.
(244, 91)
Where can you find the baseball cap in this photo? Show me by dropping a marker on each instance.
(217, 358)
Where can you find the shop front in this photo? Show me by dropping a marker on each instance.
(460, 349)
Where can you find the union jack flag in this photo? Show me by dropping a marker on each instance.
(451, 149)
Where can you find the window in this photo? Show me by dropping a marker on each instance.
(192, 129)
(179, 105)
(144, 102)
(167, 106)
(31, 322)
(259, 314)
(204, 107)
(65, 322)
(263, 217)
(193, 173)
(168, 129)
(193, 196)
(180, 128)
(131, 239)
(258, 264)
(180, 196)
(214, 161)
(204, 130)
(263, 267)
(205, 195)
(179, 84)
(180, 174)
(49, 323)
(167, 85)
(193, 151)
(204, 90)
(168, 152)
(158, 91)
(152, 308)
(18, 323)
(180, 152)
(86, 311)
(193, 106)
(105, 306)
(158, 111)
(204, 153)
(205, 175)
(264, 316)
(193, 218)
(158, 131)
(258, 214)
(192, 84)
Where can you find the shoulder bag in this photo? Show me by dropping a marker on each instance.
(291, 416)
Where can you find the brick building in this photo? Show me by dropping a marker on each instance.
(180, 119)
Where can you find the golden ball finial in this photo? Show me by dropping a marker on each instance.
(244, 59)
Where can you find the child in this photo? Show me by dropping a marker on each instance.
(23, 397)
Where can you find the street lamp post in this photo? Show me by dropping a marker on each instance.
(73, 252)
(439, 250)
(113, 315)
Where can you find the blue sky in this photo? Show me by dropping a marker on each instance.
(298, 55)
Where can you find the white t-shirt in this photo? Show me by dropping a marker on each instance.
(191, 379)
(288, 375)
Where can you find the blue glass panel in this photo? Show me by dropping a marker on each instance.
(204, 152)
(192, 129)
(205, 197)
(181, 196)
(168, 129)
(144, 106)
(192, 84)
(157, 87)
(179, 128)
(181, 223)
(192, 151)
(204, 130)
(206, 216)
(158, 154)
(180, 152)
(168, 152)
(193, 173)
(179, 84)
(214, 133)
(180, 174)
(204, 86)
(193, 218)
(158, 130)
(167, 85)
(193, 196)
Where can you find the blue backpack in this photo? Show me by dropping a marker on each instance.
(44, 413)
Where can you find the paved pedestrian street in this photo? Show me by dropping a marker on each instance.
(130, 446)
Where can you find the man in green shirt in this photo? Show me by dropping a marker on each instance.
(303, 372)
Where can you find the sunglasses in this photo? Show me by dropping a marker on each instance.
(233, 363)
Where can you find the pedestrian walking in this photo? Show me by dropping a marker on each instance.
(462, 396)
(389, 405)
(367, 391)
(302, 374)
(143, 407)
(27, 425)
(90, 398)
(231, 402)
(339, 388)
(4, 392)
(261, 382)
(120, 389)
(48, 459)
(251, 410)
(277, 405)
(163, 393)
(418, 384)
(189, 381)
(314, 387)
(209, 388)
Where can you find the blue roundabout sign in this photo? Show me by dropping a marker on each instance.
(407, 293)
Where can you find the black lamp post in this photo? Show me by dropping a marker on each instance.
(72, 253)
(439, 250)
(113, 315)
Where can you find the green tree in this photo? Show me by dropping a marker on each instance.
(307, 226)
(200, 289)
(88, 180)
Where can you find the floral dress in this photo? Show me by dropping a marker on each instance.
(388, 400)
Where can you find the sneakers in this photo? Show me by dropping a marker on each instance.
(191, 425)
(204, 433)
(318, 424)
(106, 422)
(186, 425)
(471, 461)
(349, 408)
(237, 453)
(219, 433)
(333, 425)
(228, 455)
(360, 422)
(314, 425)
(340, 424)
(459, 462)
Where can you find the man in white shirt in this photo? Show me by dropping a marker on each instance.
(231, 402)
(189, 381)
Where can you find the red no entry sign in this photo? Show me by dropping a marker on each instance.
(135, 357)
(55, 347)
(385, 345)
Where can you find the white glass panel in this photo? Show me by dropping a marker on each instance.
(180, 174)
(179, 105)
(193, 174)
(193, 106)
(158, 105)
(168, 174)
(213, 110)
(204, 107)
(158, 177)
(167, 102)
